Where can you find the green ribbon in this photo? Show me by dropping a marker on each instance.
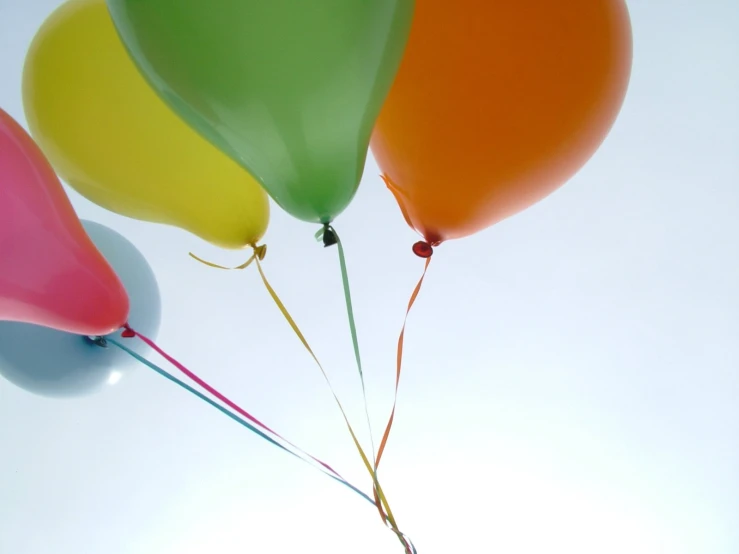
(329, 240)
(352, 323)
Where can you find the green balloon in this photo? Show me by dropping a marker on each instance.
(290, 89)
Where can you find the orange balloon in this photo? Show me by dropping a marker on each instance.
(497, 103)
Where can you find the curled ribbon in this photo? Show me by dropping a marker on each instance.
(259, 253)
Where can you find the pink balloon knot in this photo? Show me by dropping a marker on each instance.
(128, 333)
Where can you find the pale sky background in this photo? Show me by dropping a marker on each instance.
(571, 381)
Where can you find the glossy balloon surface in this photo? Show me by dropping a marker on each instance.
(290, 89)
(111, 138)
(51, 274)
(497, 104)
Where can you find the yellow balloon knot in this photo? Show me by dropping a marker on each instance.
(260, 251)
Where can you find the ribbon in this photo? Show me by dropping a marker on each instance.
(129, 332)
(399, 362)
(330, 237)
(259, 253)
(380, 499)
(381, 502)
(333, 238)
(324, 468)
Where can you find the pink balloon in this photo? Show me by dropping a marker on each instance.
(51, 274)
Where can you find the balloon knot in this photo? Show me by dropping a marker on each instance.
(260, 251)
(423, 249)
(329, 236)
(128, 333)
(98, 341)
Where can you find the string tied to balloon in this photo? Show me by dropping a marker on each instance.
(258, 254)
(330, 237)
(244, 418)
(423, 250)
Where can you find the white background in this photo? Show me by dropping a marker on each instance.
(571, 381)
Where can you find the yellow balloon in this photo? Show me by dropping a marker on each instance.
(109, 136)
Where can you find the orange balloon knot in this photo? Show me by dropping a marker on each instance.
(423, 249)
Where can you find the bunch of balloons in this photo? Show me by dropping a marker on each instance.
(194, 114)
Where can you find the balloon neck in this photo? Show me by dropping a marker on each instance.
(423, 249)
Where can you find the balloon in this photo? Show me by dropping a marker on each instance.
(496, 105)
(51, 274)
(108, 134)
(57, 364)
(288, 88)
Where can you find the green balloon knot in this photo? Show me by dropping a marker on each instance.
(329, 236)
